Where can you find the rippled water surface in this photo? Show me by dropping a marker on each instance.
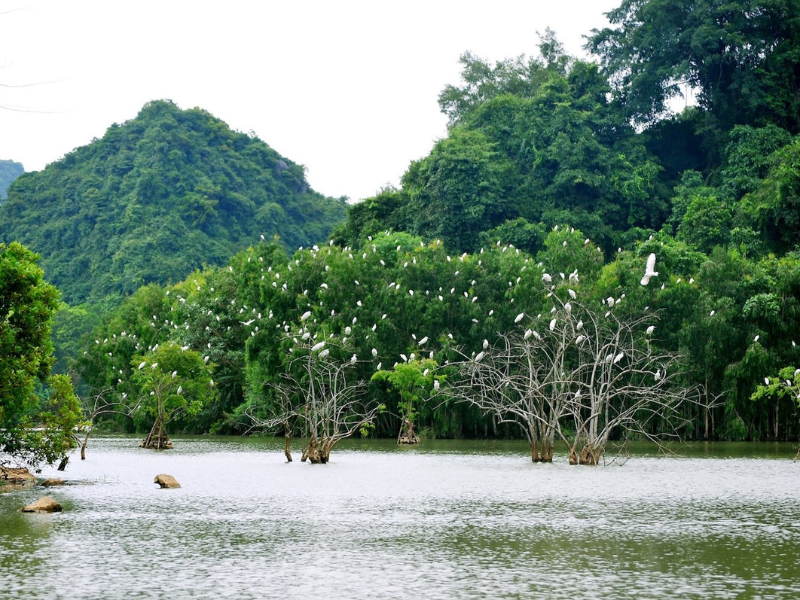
(445, 520)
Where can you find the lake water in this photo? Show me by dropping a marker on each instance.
(444, 520)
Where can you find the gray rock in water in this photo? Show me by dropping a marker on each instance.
(43, 504)
(166, 481)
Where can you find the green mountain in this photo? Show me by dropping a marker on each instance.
(9, 171)
(156, 198)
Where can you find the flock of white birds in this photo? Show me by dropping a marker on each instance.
(307, 328)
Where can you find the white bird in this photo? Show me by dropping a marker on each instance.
(712, 313)
(436, 384)
(579, 326)
(353, 359)
(180, 389)
(650, 329)
(572, 294)
(324, 353)
(480, 356)
(519, 317)
(378, 368)
(649, 269)
(485, 344)
(610, 302)
(546, 277)
(305, 315)
(579, 339)
(374, 352)
(404, 357)
(618, 357)
(755, 339)
(347, 330)
(766, 380)
(568, 308)
(423, 341)
(174, 374)
(528, 334)
(154, 365)
(142, 364)
(552, 324)
(318, 346)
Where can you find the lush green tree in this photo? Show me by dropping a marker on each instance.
(520, 77)
(34, 429)
(740, 56)
(773, 209)
(414, 381)
(167, 381)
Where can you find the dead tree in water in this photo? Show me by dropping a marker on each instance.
(322, 395)
(578, 375)
(106, 401)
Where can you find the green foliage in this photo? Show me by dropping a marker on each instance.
(170, 380)
(34, 429)
(532, 145)
(740, 56)
(156, 198)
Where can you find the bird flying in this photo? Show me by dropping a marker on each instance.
(649, 269)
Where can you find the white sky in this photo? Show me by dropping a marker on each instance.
(346, 88)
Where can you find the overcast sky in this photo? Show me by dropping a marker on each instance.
(347, 89)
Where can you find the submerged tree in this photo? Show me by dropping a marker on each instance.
(321, 392)
(577, 374)
(414, 380)
(170, 380)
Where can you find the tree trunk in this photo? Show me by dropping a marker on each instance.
(547, 452)
(287, 445)
(85, 443)
(157, 439)
(573, 456)
(535, 452)
(590, 455)
(408, 436)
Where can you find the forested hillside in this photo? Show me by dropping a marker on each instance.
(155, 198)
(558, 181)
(9, 171)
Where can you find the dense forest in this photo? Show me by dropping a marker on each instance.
(557, 179)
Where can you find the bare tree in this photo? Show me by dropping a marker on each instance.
(322, 395)
(577, 374)
(106, 401)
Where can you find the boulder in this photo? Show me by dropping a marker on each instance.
(166, 481)
(44, 504)
(53, 481)
(16, 476)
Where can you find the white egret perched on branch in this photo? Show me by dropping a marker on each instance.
(649, 269)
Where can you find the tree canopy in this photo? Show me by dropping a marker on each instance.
(36, 426)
